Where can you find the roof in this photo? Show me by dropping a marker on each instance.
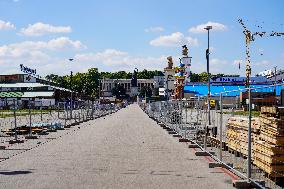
(228, 90)
(20, 85)
(28, 85)
(60, 88)
(32, 94)
(37, 94)
(10, 94)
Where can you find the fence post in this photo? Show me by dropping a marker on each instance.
(65, 121)
(186, 104)
(82, 113)
(92, 117)
(50, 107)
(58, 110)
(206, 126)
(41, 110)
(249, 136)
(75, 117)
(184, 126)
(221, 126)
(197, 119)
(30, 115)
(180, 119)
(15, 120)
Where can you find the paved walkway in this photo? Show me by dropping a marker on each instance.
(122, 150)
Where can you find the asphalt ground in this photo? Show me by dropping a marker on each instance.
(122, 150)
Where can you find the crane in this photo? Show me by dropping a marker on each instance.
(249, 37)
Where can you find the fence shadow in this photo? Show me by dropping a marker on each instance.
(14, 172)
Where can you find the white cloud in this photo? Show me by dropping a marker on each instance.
(107, 60)
(263, 63)
(39, 29)
(109, 57)
(64, 43)
(114, 60)
(218, 62)
(173, 40)
(6, 25)
(26, 47)
(212, 49)
(217, 66)
(154, 29)
(37, 54)
(215, 27)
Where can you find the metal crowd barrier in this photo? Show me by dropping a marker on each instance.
(244, 134)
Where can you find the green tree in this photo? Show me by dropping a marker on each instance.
(92, 82)
(203, 77)
(194, 77)
(146, 90)
(119, 92)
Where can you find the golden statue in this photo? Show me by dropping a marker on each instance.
(170, 62)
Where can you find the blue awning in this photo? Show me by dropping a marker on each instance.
(228, 90)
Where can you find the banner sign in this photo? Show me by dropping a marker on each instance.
(27, 70)
(238, 80)
(29, 79)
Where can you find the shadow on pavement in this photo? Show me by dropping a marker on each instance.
(14, 172)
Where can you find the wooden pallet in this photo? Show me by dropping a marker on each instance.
(273, 170)
(276, 140)
(271, 122)
(273, 110)
(268, 159)
(269, 149)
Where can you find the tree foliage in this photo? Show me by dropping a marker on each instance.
(203, 77)
(119, 91)
(146, 90)
(88, 83)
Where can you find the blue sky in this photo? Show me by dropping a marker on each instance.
(123, 34)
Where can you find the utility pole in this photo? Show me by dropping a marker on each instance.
(208, 28)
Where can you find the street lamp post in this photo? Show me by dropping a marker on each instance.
(71, 100)
(208, 98)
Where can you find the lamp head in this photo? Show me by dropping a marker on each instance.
(208, 27)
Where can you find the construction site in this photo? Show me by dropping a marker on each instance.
(238, 123)
(149, 104)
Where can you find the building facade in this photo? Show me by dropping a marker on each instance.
(107, 85)
(25, 87)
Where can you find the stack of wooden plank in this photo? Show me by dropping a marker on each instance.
(237, 133)
(269, 150)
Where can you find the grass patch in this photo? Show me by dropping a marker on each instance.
(24, 112)
(19, 114)
(244, 113)
(27, 110)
